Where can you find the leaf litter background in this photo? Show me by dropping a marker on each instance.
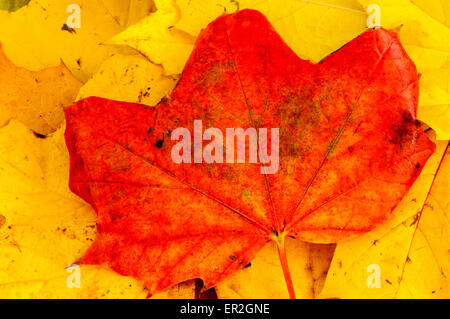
(134, 51)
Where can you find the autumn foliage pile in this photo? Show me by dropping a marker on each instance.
(364, 121)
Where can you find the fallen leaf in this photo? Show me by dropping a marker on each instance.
(39, 208)
(35, 98)
(38, 36)
(157, 39)
(389, 247)
(434, 100)
(263, 277)
(354, 158)
(424, 30)
(129, 78)
(429, 252)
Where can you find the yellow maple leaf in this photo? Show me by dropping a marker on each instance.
(427, 270)
(380, 263)
(157, 39)
(129, 78)
(263, 278)
(35, 98)
(38, 36)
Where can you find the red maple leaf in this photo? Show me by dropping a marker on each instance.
(350, 148)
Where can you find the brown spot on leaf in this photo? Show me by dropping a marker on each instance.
(38, 135)
(65, 27)
(165, 101)
(160, 142)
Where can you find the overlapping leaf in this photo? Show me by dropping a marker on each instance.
(263, 277)
(35, 98)
(167, 37)
(313, 29)
(38, 36)
(411, 250)
(129, 78)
